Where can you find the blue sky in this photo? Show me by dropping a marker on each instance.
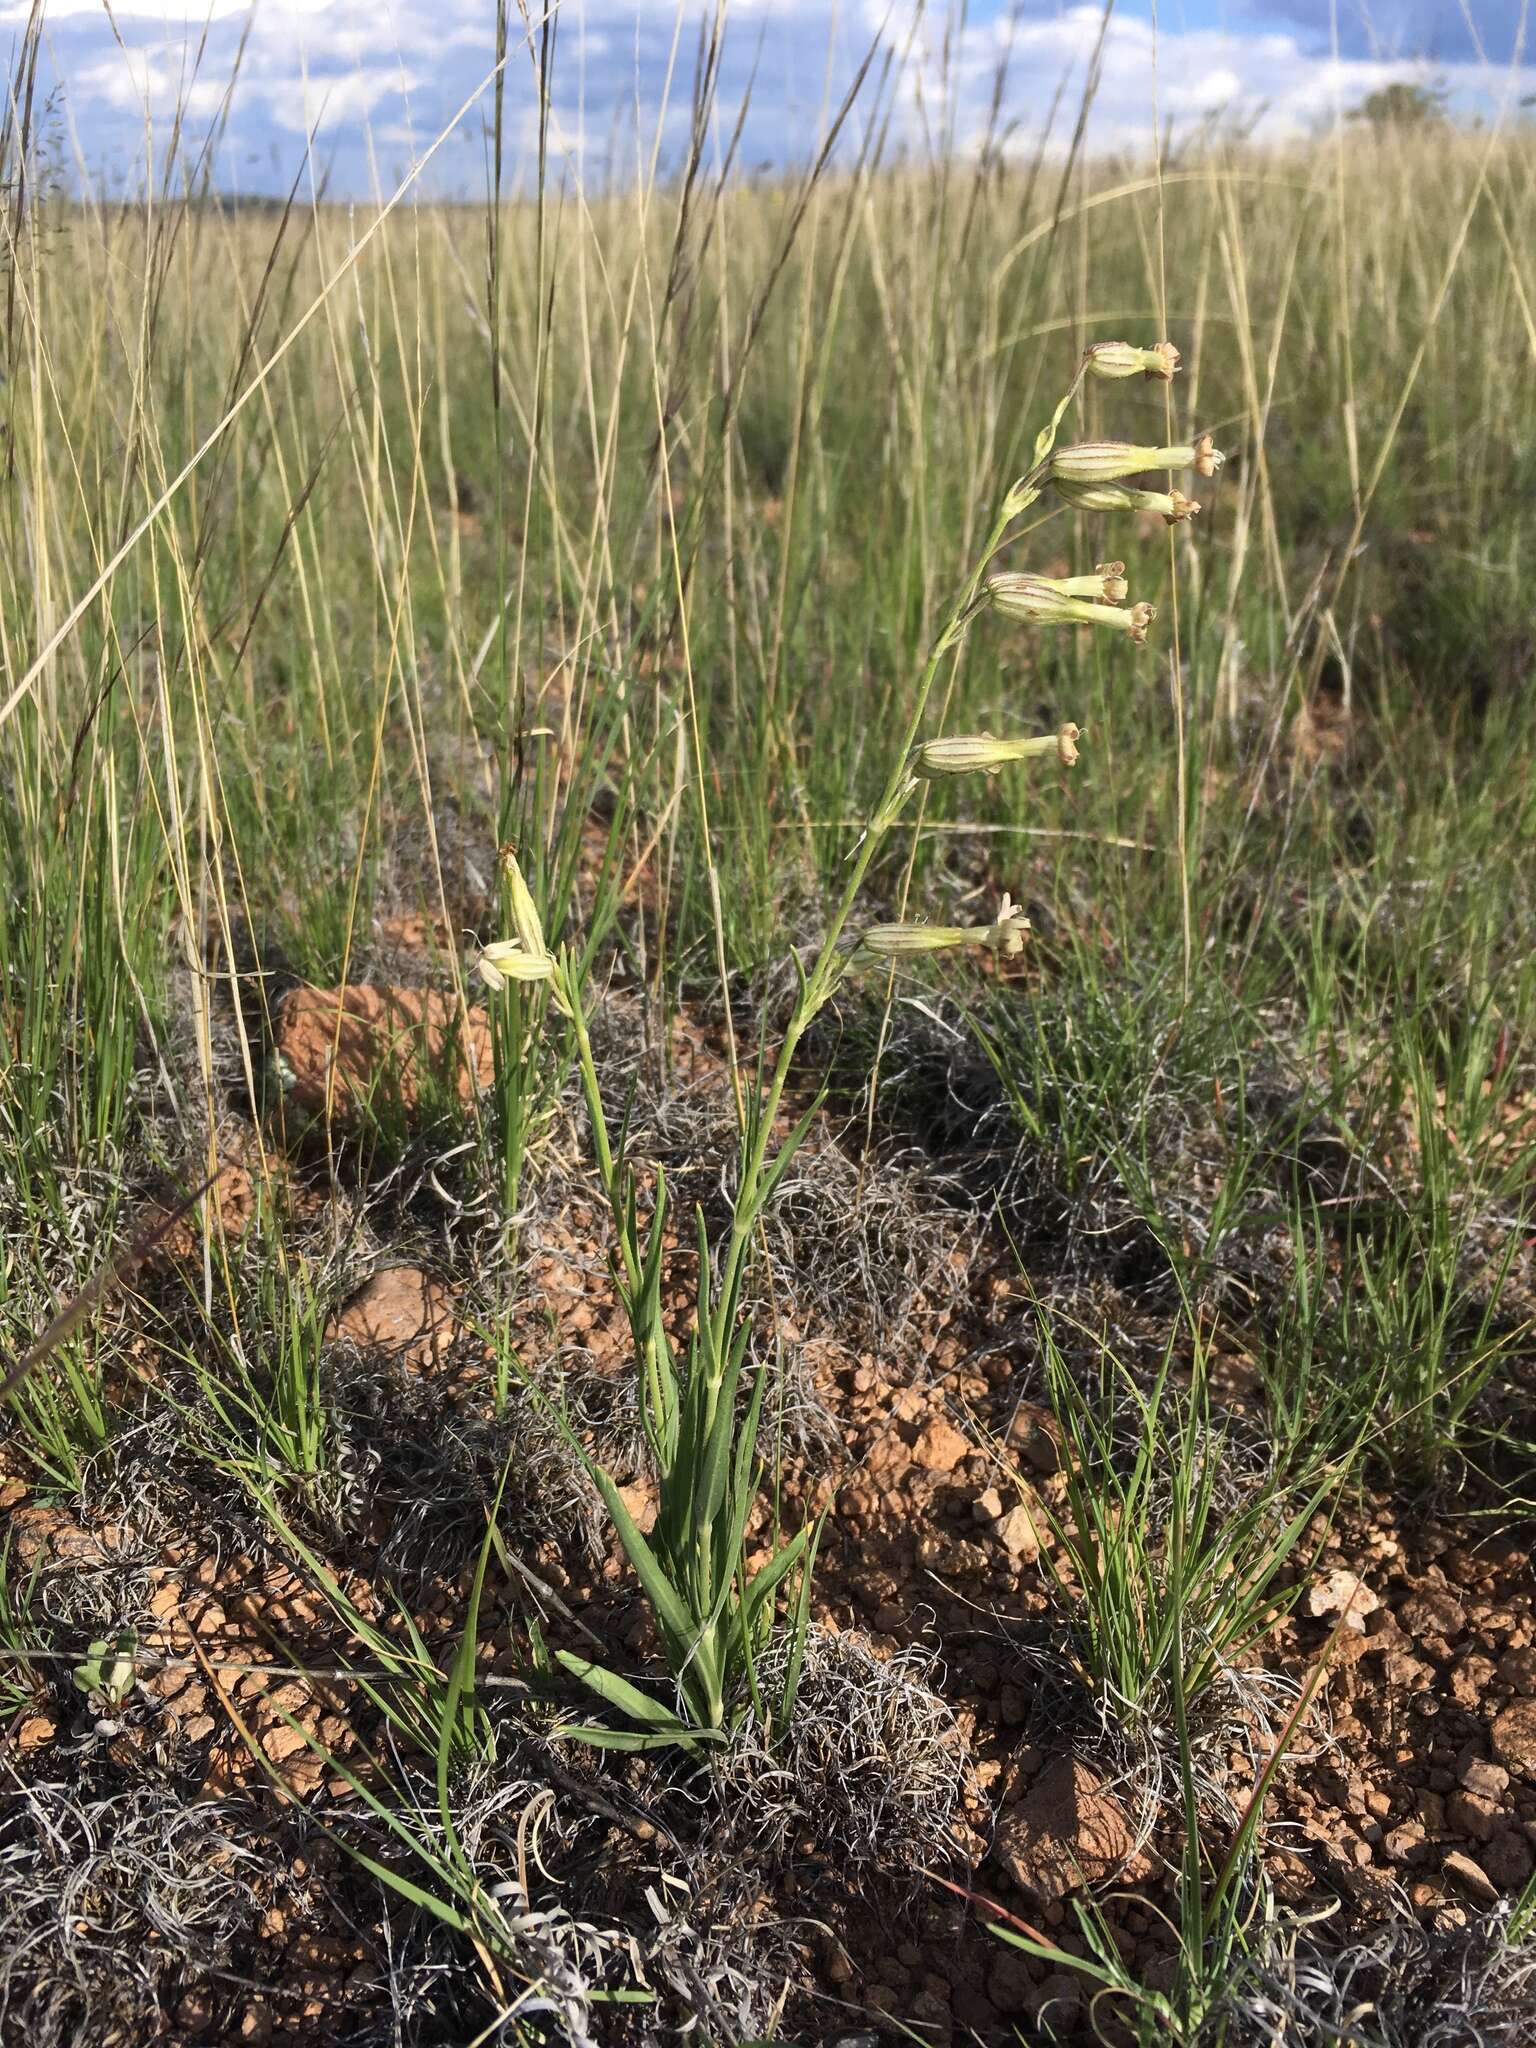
(377, 81)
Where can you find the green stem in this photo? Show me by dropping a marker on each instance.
(818, 986)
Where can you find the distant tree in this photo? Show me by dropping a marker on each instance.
(1401, 105)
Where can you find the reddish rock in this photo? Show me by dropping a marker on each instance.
(1020, 1531)
(1467, 1815)
(1517, 1670)
(1404, 1843)
(341, 1048)
(1470, 1679)
(282, 1742)
(1487, 1780)
(1058, 2001)
(1432, 1612)
(1514, 1737)
(401, 1311)
(228, 1208)
(1342, 1592)
(1411, 1673)
(1067, 1830)
(641, 1501)
(940, 1447)
(1508, 1859)
(1033, 1434)
(1471, 1876)
(1010, 1981)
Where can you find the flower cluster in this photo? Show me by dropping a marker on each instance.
(1090, 476)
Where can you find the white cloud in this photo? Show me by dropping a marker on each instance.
(393, 72)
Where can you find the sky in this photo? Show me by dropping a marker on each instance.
(367, 87)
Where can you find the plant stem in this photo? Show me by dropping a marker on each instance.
(817, 987)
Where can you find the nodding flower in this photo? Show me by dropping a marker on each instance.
(1107, 462)
(979, 753)
(527, 957)
(507, 960)
(1172, 505)
(1005, 935)
(1025, 597)
(1120, 359)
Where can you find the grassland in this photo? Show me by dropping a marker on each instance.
(1139, 1343)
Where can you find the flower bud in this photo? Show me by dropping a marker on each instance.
(979, 753)
(903, 941)
(1005, 935)
(1120, 359)
(1107, 582)
(525, 915)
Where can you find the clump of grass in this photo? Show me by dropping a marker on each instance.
(1171, 1562)
(870, 1770)
(110, 1901)
(1404, 1986)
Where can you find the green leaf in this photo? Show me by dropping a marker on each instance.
(774, 1573)
(619, 1692)
(664, 1597)
(783, 1158)
(709, 1486)
(680, 1736)
(413, 1894)
(628, 1699)
(798, 1629)
(461, 1680)
(1045, 440)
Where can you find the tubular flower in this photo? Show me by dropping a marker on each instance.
(1107, 462)
(527, 957)
(1172, 505)
(1120, 359)
(506, 960)
(1107, 582)
(980, 754)
(1023, 597)
(1005, 934)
